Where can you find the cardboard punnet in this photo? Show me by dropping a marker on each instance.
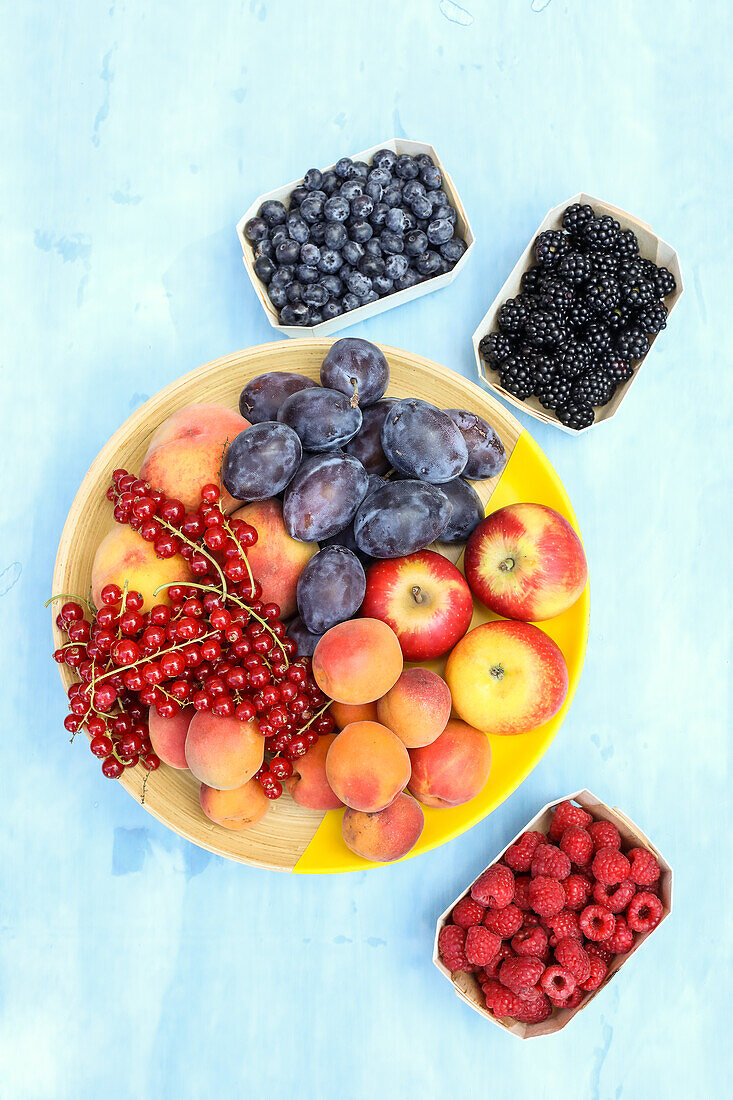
(325, 328)
(651, 247)
(466, 986)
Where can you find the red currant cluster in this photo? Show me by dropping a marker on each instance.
(216, 646)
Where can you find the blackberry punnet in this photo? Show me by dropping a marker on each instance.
(554, 390)
(601, 233)
(495, 347)
(512, 316)
(517, 376)
(603, 295)
(575, 269)
(653, 318)
(632, 344)
(544, 329)
(575, 414)
(576, 216)
(593, 388)
(550, 247)
(573, 358)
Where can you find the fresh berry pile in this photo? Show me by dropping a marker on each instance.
(540, 929)
(584, 315)
(214, 647)
(352, 235)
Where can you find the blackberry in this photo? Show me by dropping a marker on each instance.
(532, 280)
(576, 216)
(630, 271)
(575, 414)
(619, 318)
(627, 246)
(494, 348)
(604, 265)
(579, 315)
(632, 344)
(556, 296)
(595, 387)
(603, 295)
(664, 282)
(517, 376)
(638, 294)
(601, 233)
(573, 358)
(512, 317)
(543, 367)
(598, 337)
(646, 269)
(653, 318)
(617, 370)
(554, 390)
(550, 247)
(544, 329)
(575, 268)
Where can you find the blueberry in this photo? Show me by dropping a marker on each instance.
(396, 220)
(444, 266)
(329, 261)
(360, 230)
(371, 266)
(446, 212)
(379, 214)
(453, 249)
(359, 170)
(438, 198)
(395, 266)
(412, 189)
(273, 212)
(329, 182)
(431, 177)
(316, 317)
(256, 229)
(287, 252)
(336, 208)
(422, 207)
(331, 310)
(278, 234)
(307, 274)
(428, 263)
(312, 179)
(372, 296)
(350, 301)
(341, 167)
(406, 167)
(416, 242)
(294, 291)
(283, 275)
(277, 295)
(373, 247)
(295, 314)
(333, 285)
(439, 231)
(382, 285)
(335, 235)
(384, 158)
(344, 271)
(315, 294)
(297, 228)
(309, 254)
(264, 248)
(264, 268)
(361, 206)
(373, 190)
(423, 158)
(297, 195)
(351, 189)
(352, 252)
(311, 208)
(380, 175)
(392, 196)
(318, 232)
(410, 278)
(359, 284)
(391, 241)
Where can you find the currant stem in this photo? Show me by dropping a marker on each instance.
(71, 596)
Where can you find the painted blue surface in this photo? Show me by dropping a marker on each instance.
(134, 135)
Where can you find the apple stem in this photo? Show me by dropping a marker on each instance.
(506, 565)
(417, 593)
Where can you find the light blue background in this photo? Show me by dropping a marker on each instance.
(134, 135)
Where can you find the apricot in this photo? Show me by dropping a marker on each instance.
(168, 736)
(367, 766)
(186, 451)
(344, 714)
(308, 784)
(236, 809)
(417, 708)
(386, 835)
(123, 555)
(223, 752)
(277, 560)
(357, 661)
(453, 769)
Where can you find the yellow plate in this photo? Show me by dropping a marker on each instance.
(290, 838)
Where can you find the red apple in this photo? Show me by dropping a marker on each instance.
(425, 600)
(526, 562)
(507, 677)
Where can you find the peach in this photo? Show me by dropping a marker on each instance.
(185, 452)
(237, 809)
(367, 766)
(168, 736)
(223, 752)
(344, 714)
(357, 661)
(417, 708)
(453, 769)
(123, 555)
(308, 785)
(386, 835)
(277, 560)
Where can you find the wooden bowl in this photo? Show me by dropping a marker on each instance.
(291, 838)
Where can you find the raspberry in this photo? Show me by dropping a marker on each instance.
(610, 866)
(567, 814)
(644, 867)
(644, 912)
(549, 860)
(546, 896)
(597, 922)
(534, 1011)
(531, 920)
(521, 976)
(519, 855)
(599, 951)
(622, 939)
(505, 922)
(598, 971)
(500, 1000)
(576, 843)
(492, 968)
(451, 946)
(495, 887)
(481, 945)
(615, 898)
(604, 834)
(572, 957)
(531, 941)
(521, 891)
(558, 983)
(564, 925)
(467, 912)
(577, 891)
(575, 999)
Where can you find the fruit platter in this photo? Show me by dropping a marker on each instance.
(331, 686)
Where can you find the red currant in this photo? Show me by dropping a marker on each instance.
(112, 768)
